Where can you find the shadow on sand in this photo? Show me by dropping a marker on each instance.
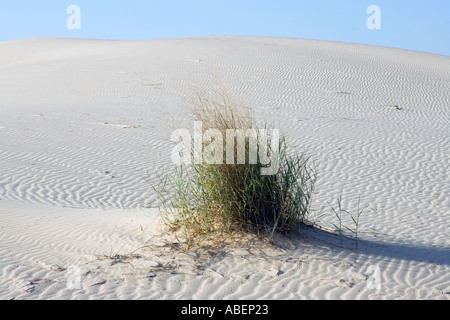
(381, 249)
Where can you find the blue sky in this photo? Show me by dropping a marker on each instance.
(415, 24)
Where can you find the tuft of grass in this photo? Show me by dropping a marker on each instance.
(213, 202)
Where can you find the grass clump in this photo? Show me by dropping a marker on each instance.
(212, 200)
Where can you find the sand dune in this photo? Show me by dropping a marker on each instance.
(85, 130)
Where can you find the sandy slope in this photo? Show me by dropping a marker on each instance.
(85, 129)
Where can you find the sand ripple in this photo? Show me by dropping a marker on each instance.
(82, 131)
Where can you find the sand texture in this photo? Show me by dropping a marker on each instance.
(85, 129)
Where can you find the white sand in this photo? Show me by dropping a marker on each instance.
(85, 129)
